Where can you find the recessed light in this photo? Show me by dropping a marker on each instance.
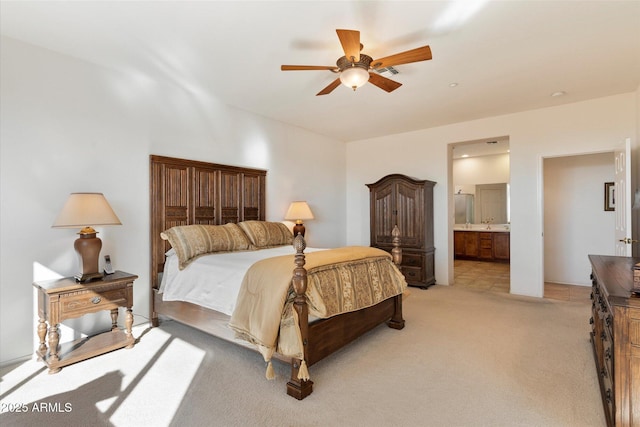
(465, 155)
(558, 93)
(453, 84)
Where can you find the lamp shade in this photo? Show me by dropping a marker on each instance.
(298, 211)
(86, 209)
(354, 77)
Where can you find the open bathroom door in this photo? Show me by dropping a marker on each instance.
(622, 201)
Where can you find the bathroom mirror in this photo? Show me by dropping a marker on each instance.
(492, 203)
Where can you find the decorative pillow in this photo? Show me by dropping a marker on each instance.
(264, 234)
(192, 241)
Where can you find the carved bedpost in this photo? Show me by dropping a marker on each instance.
(295, 387)
(396, 322)
(396, 252)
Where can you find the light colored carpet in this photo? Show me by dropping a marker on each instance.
(465, 358)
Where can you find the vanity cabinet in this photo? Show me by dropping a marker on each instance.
(501, 246)
(465, 244)
(408, 203)
(482, 245)
(615, 335)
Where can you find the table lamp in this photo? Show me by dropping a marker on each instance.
(298, 211)
(84, 210)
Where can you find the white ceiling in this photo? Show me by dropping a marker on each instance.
(506, 56)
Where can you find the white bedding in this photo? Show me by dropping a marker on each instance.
(213, 281)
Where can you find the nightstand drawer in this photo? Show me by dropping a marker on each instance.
(88, 301)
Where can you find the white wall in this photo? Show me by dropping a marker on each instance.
(68, 125)
(575, 222)
(471, 171)
(586, 127)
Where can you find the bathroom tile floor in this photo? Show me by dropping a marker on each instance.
(495, 277)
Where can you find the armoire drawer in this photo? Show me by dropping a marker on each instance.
(412, 260)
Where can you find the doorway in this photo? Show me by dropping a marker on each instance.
(576, 221)
(479, 176)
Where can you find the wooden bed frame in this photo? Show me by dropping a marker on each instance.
(187, 192)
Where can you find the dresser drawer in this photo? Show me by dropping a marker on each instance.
(485, 244)
(412, 260)
(412, 274)
(88, 301)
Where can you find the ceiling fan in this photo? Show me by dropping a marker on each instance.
(354, 67)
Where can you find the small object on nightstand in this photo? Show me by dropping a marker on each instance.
(108, 268)
(63, 299)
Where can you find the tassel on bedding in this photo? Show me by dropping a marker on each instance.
(270, 374)
(303, 372)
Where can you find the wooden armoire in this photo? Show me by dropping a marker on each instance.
(408, 203)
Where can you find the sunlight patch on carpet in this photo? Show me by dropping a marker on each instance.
(182, 360)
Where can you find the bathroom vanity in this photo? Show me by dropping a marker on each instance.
(491, 244)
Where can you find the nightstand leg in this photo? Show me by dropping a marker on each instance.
(114, 319)
(42, 333)
(54, 338)
(128, 326)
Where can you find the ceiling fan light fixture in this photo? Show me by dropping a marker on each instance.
(354, 77)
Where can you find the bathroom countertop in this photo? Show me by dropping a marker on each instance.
(495, 228)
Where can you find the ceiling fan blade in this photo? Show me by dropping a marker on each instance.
(308, 67)
(414, 55)
(350, 41)
(383, 82)
(327, 90)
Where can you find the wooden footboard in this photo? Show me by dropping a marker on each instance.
(326, 336)
(321, 338)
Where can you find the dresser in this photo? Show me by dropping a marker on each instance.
(615, 335)
(408, 203)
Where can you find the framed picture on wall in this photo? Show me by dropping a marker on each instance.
(609, 196)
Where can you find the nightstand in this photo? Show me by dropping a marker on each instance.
(63, 299)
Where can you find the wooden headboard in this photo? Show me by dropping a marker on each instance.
(185, 192)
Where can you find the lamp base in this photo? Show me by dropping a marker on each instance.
(298, 228)
(88, 247)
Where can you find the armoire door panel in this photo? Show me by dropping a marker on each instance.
(410, 219)
(383, 205)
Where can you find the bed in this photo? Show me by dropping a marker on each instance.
(186, 192)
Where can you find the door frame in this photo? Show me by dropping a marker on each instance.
(541, 200)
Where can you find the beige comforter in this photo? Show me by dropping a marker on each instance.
(339, 281)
